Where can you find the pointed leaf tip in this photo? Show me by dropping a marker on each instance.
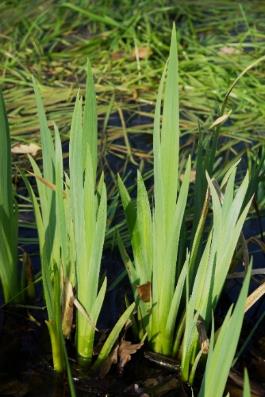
(174, 37)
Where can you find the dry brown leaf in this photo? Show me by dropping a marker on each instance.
(137, 53)
(135, 94)
(228, 51)
(125, 350)
(192, 176)
(141, 52)
(21, 148)
(115, 56)
(68, 309)
(254, 296)
(204, 341)
(120, 355)
(220, 120)
(144, 291)
(47, 183)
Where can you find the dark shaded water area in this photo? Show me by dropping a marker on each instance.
(25, 368)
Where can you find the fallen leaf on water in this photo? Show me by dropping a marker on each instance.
(120, 355)
(125, 351)
(21, 148)
(144, 291)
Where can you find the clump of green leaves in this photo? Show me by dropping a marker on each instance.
(181, 291)
(71, 216)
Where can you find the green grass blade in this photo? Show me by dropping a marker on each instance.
(170, 132)
(246, 390)
(9, 275)
(221, 357)
(46, 138)
(90, 121)
(6, 196)
(60, 206)
(128, 205)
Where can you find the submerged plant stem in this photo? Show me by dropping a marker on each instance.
(57, 349)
